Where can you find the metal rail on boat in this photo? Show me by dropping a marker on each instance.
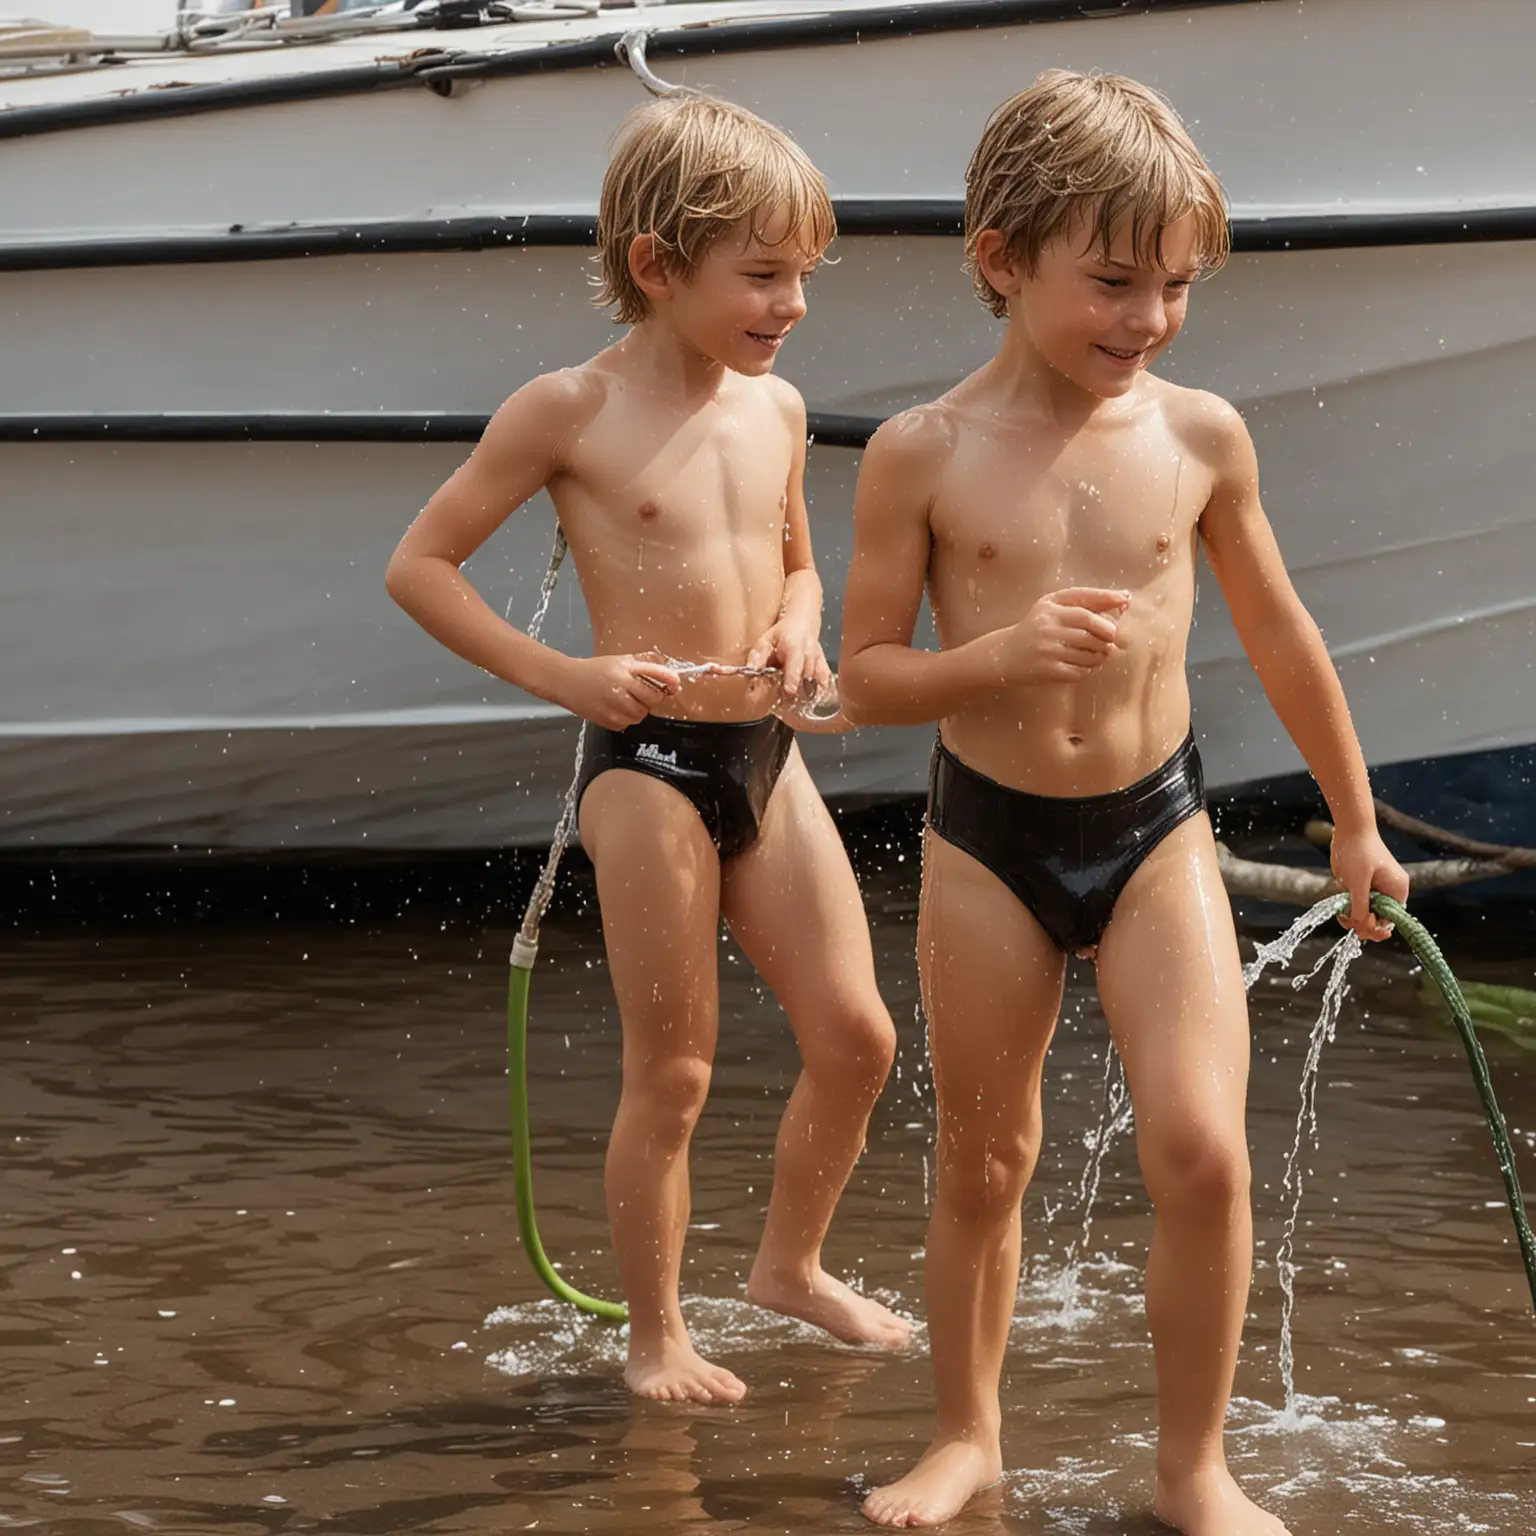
(439, 69)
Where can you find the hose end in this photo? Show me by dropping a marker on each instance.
(524, 952)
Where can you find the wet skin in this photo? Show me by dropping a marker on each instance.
(1051, 506)
(676, 462)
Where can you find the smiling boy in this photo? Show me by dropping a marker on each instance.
(1052, 503)
(675, 461)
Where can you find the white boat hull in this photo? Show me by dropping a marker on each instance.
(213, 613)
(195, 645)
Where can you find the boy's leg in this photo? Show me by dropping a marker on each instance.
(795, 909)
(1171, 983)
(992, 985)
(658, 884)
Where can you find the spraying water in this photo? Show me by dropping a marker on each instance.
(565, 827)
(1343, 954)
(1282, 950)
(546, 587)
(1115, 1116)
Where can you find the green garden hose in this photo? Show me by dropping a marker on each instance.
(1414, 934)
(522, 1156)
(525, 948)
(1408, 928)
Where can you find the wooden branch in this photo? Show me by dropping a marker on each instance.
(1301, 887)
(1319, 834)
(1400, 821)
(1272, 882)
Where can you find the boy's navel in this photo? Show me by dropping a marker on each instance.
(648, 511)
(988, 551)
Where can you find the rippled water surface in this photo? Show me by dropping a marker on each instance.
(260, 1272)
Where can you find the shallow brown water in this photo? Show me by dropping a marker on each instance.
(260, 1272)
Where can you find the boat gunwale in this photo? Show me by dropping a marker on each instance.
(857, 218)
(439, 70)
(827, 429)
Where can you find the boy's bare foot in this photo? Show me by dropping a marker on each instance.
(825, 1302)
(1209, 1503)
(950, 1474)
(675, 1372)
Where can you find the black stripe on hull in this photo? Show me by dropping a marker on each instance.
(830, 430)
(856, 218)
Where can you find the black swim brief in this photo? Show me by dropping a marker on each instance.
(1067, 860)
(726, 768)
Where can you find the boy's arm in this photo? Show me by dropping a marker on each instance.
(518, 454)
(1287, 651)
(884, 680)
(793, 642)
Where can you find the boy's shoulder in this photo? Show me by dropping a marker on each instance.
(546, 412)
(563, 396)
(920, 439)
(579, 390)
(784, 397)
(1209, 427)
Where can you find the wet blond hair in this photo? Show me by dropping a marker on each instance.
(1093, 151)
(685, 170)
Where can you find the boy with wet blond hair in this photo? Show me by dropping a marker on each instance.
(1052, 503)
(675, 460)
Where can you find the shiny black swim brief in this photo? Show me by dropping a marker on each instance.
(1067, 860)
(726, 768)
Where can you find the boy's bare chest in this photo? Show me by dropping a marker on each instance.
(1019, 516)
(675, 483)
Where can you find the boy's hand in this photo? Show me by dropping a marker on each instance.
(616, 691)
(819, 714)
(1064, 637)
(1362, 864)
(794, 649)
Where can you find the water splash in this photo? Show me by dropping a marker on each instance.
(1115, 1116)
(546, 587)
(923, 1091)
(565, 828)
(549, 1338)
(1280, 951)
(1342, 955)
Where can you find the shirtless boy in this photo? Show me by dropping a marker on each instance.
(1052, 503)
(675, 461)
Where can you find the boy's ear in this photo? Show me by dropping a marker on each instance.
(649, 269)
(997, 264)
